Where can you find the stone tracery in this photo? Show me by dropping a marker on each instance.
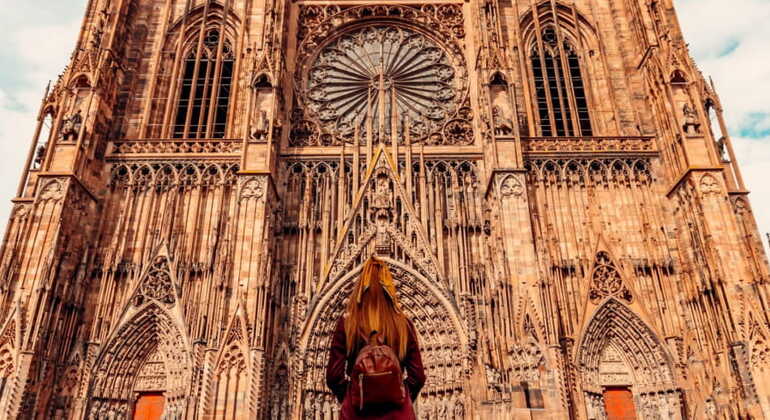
(381, 78)
(606, 280)
(443, 352)
(615, 331)
(136, 343)
(157, 285)
(370, 82)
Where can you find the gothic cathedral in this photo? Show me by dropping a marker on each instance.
(550, 181)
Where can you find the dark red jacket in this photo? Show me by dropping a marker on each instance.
(340, 366)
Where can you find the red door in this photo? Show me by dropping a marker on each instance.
(149, 406)
(619, 403)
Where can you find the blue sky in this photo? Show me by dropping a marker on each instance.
(730, 40)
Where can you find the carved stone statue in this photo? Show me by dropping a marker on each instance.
(503, 124)
(722, 148)
(70, 128)
(691, 123)
(261, 126)
(40, 155)
(459, 410)
(523, 125)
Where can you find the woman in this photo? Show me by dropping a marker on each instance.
(373, 310)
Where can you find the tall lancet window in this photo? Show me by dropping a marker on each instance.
(559, 88)
(204, 96)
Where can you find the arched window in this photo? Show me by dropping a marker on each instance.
(204, 94)
(559, 89)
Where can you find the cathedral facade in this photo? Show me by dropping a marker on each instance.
(551, 183)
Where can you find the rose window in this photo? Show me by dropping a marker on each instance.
(381, 79)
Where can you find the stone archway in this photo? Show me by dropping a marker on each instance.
(443, 344)
(619, 350)
(148, 352)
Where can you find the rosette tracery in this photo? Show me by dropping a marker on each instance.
(382, 82)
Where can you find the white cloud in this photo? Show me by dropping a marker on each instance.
(729, 41)
(39, 38)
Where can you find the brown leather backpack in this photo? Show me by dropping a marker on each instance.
(377, 381)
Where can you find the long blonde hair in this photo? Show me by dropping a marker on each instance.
(373, 306)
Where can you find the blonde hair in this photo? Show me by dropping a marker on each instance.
(373, 307)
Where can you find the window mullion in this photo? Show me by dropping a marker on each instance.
(200, 131)
(173, 88)
(183, 104)
(194, 82)
(546, 86)
(570, 111)
(581, 101)
(214, 100)
(570, 88)
(170, 114)
(587, 130)
(541, 99)
(558, 79)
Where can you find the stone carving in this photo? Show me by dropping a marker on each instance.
(379, 78)
(645, 358)
(121, 359)
(511, 186)
(261, 126)
(456, 132)
(20, 211)
(721, 144)
(175, 146)
(590, 172)
(709, 186)
(691, 122)
(606, 280)
(588, 145)
(39, 155)
(151, 175)
(503, 124)
(70, 126)
(253, 188)
(410, 87)
(157, 284)
(152, 376)
(759, 358)
(613, 370)
(526, 359)
(53, 190)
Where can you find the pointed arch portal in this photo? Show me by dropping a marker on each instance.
(619, 353)
(443, 341)
(149, 337)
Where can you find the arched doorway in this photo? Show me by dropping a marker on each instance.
(625, 371)
(443, 344)
(149, 406)
(147, 357)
